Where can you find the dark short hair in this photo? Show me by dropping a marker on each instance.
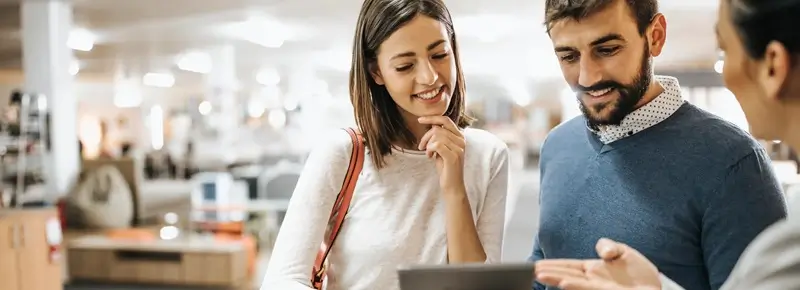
(759, 22)
(377, 115)
(642, 11)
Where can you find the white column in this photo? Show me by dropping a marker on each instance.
(223, 87)
(46, 61)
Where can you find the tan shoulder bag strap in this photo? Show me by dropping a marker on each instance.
(340, 207)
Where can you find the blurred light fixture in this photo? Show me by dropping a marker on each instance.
(160, 80)
(268, 77)
(170, 231)
(74, 67)
(157, 127)
(195, 61)
(81, 39)
(41, 104)
(277, 119)
(204, 108)
(259, 30)
(255, 107)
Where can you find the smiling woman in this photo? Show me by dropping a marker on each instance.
(431, 192)
(412, 52)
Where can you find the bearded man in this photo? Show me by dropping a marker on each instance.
(642, 166)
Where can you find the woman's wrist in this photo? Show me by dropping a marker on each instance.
(455, 191)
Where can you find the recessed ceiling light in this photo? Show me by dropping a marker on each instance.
(81, 39)
(160, 80)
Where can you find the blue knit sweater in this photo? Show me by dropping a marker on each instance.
(690, 193)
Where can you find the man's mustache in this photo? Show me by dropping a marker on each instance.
(599, 86)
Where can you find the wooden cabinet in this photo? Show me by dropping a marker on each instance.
(191, 261)
(25, 258)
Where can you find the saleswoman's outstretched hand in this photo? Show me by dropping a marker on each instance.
(620, 267)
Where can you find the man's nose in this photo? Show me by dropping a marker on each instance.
(426, 74)
(590, 72)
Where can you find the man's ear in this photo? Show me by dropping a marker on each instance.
(776, 70)
(658, 34)
(376, 73)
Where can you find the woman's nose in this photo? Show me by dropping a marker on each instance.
(426, 74)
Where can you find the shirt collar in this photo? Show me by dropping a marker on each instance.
(652, 113)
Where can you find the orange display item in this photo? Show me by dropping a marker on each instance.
(131, 234)
(250, 248)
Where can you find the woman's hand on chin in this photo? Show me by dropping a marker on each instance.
(446, 144)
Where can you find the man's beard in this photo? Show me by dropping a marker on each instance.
(629, 96)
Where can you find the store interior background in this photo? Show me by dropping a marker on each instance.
(247, 82)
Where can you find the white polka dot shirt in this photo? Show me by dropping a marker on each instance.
(657, 110)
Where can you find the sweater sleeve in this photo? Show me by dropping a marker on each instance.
(749, 200)
(491, 223)
(303, 226)
(771, 262)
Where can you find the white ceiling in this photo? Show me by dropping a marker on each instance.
(147, 35)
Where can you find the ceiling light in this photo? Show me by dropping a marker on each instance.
(160, 80)
(268, 77)
(81, 39)
(195, 61)
(260, 31)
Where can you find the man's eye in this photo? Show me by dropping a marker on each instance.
(606, 51)
(568, 57)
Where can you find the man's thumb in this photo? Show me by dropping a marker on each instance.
(609, 250)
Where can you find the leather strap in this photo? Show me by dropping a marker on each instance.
(340, 207)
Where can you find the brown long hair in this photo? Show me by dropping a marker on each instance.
(377, 115)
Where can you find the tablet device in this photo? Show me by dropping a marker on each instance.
(467, 277)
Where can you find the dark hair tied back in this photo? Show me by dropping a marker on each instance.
(759, 22)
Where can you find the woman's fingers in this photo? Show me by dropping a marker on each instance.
(442, 121)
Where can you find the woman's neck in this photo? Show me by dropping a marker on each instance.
(417, 131)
